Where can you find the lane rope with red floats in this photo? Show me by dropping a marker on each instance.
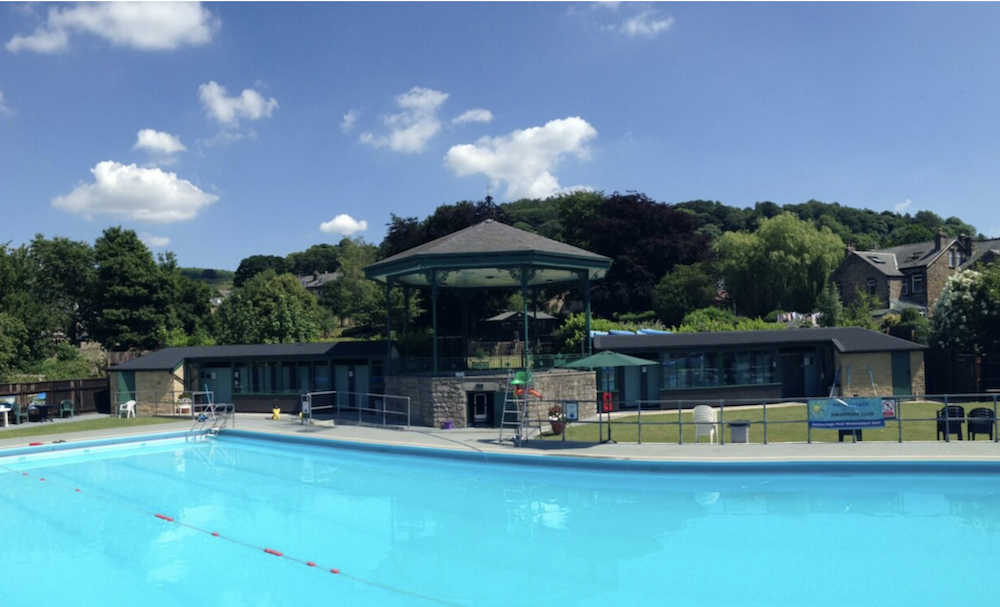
(270, 551)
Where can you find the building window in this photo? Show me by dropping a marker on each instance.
(906, 287)
(918, 284)
(870, 285)
(951, 258)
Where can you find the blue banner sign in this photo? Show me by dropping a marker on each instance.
(846, 413)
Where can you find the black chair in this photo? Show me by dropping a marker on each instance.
(981, 421)
(949, 421)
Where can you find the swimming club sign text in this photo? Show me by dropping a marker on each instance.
(846, 413)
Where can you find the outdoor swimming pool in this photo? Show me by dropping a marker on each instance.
(410, 530)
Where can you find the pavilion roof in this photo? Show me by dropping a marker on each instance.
(489, 254)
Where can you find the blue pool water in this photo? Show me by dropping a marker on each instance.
(408, 530)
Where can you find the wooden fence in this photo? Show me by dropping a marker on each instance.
(89, 395)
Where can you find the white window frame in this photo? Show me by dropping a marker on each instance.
(951, 258)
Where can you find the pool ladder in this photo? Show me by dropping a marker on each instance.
(219, 415)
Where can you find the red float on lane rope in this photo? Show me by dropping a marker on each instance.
(274, 552)
(164, 517)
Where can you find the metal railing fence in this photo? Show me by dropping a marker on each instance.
(162, 403)
(913, 418)
(357, 407)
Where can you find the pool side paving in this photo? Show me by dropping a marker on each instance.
(476, 440)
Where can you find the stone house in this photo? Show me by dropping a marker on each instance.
(912, 275)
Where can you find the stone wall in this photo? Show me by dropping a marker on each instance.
(562, 385)
(881, 366)
(853, 275)
(937, 275)
(435, 400)
(157, 392)
(918, 372)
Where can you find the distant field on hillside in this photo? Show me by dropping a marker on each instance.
(217, 279)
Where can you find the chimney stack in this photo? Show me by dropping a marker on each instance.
(939, 239)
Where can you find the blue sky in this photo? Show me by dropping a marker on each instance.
(219, 131)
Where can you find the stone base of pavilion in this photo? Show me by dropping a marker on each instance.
(439, 401)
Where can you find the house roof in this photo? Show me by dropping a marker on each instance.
(883, 262)
(317, 279)
(847, 340)
(919, 254)
(487, 255)
(982, 248)
(171, 358)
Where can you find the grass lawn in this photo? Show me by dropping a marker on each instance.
(785, 424)
(102, 423)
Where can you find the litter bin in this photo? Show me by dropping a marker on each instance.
(739, 431)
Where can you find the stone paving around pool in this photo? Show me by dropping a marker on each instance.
(486, 441)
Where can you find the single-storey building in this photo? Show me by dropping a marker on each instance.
(253, 377)
(786, 363)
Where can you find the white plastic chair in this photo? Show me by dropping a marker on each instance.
(128, 408)
(705, 422)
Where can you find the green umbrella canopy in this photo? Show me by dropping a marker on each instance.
(609, 359)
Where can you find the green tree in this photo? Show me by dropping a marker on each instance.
(21, 297)
(69, 272)
(831, 311)
(685, 289)
(131, 295)
(13, 345)
(859, 313)
(255, 264)
(269, 309)
(910, 234)
(317, 258)
(912, 319)
(785, 264)
(353, 298)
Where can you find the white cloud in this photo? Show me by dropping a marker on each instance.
(162, 147)
(347, 124)
(525, 158)
(476, 115)
(154, 241)
(4, 108)
(903, 207)
(148, 26)
(228, 110)
(343, 224)
(136, 193)
(646, 24)
(411, 129)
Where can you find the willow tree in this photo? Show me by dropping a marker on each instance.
(784, 264)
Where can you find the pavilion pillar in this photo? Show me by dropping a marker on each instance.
(406, 312)
(534, 311)
(463, 300)
(388, 324)
(524, 306)
(588, 348)
(434, 319)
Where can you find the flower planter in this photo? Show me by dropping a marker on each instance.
(558, 426)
